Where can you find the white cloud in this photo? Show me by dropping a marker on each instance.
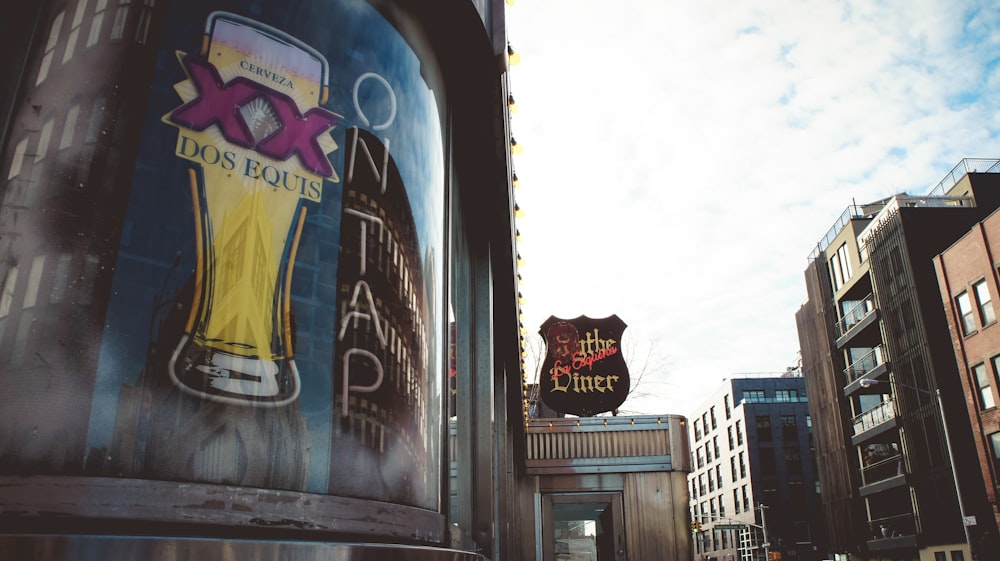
(682, 159)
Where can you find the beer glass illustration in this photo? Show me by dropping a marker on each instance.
(258, 141)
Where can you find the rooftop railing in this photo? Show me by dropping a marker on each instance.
(964, 167)
(852, 212)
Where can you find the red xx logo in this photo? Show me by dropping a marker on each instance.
(219, 104)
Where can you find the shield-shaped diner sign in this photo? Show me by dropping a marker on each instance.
(584, 372)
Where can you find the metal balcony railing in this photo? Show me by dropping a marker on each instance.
(964, 167)
(883, 469)
(864, 365)
(874, 417)
(853, 316)
(892, 526)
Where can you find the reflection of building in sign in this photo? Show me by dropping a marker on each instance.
(380, 367)
(66, 158)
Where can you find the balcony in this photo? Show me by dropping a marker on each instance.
(870, 366)
(860, 311)
(857, 320)
(873, 422)
(892, 532)
(883, 474)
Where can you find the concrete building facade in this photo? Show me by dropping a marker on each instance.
(752, 468)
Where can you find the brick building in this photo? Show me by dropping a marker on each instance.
(967, 276)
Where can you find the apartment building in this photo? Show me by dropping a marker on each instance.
(880, 368)
(752, 469)
(967, 277)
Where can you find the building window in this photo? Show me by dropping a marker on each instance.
(18, 159)
(753, 396)
(796, 493)
(60, 278)
(743, 465)
(746, 500)
(97, 22)
(725, 403)
(965, 312)
(786, 395)
(767, 461)
(7, 295)
(708, 453)
(145, 16)
(718, 475)
(715, 446)
(50, 47)
(982, 377)
(840, 267)
(43, 140)
(793, 461)
(764, 428)
(984, 302)
(789, 428)
(34, 280)
(74, 33)
(995, 445)
(739, 434)
(736, 501)
(69, 128)
(732, 466)
(118, 26)
(732, 445)
(697, 430)
(711, 414)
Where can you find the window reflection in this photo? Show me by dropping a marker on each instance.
(583, 531)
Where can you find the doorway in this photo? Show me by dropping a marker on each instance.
(583, 527)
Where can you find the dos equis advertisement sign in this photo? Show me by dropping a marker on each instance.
(236, 255)
(584, 372)
(258, 143)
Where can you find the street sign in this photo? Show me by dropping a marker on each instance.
(729, 526)
(969, 520)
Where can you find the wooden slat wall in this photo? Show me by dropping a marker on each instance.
(656, 522)
(604, 444)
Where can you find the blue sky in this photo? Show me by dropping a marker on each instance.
(682, 159)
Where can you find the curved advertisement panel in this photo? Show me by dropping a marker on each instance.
(221, 252)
